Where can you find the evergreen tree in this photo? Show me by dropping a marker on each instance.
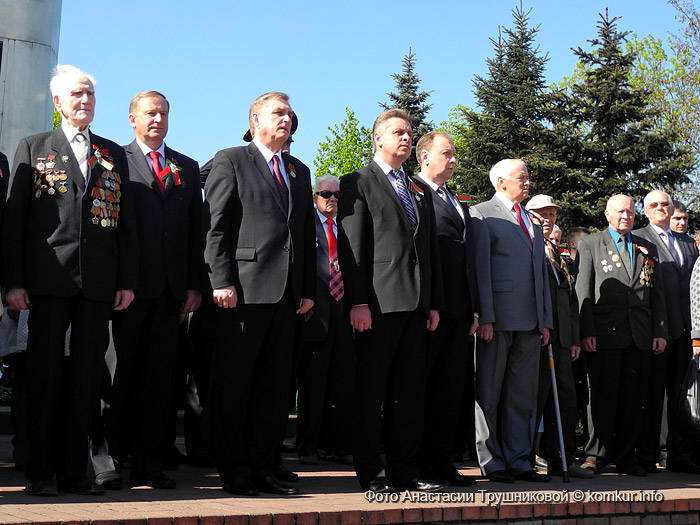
(411, 100)
(348, 148)
(510, 121)
(604, 129)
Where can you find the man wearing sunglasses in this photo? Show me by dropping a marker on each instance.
(326, 360)
(676, 257)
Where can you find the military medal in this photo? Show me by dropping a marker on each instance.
(40, 166)
(65, 158)
(62, 188)
(37, 194)
(51, 191)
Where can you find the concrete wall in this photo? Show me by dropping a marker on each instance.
(29, 32)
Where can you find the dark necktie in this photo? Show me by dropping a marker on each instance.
(279, 180)
(669, 241)
(516, 208)
(155, 159)
(625, 255)
(405, 197)
(335, 283)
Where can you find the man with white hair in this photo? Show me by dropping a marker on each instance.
(71, 253)
(623, 321)
(677, 256)
(515, 319)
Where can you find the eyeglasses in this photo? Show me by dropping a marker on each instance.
(663, 204)
(326, 194)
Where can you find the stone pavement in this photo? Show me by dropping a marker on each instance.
(331, 494)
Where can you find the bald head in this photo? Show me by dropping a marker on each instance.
(658, 207)
(620, 213)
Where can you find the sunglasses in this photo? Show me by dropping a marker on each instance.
(663, 204)
(326, 194)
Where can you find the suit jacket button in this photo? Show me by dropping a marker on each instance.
(285, 249)
(84, 240)
(414, 261)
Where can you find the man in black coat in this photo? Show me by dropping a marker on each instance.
(262, 267)
(448, 346)
(168, 202)
(677, 256)
(393, 286)
(71, 257)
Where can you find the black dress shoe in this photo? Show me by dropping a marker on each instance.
(500, 476)
(324, 455)
(460, 480)
(380, 485)
(531, 475)
(84, 486)
(240, 487)
(282, 473)
(41, 488)
(155, 479)
(272, 485)
(687, 467)
(419, 485)
(632, 469)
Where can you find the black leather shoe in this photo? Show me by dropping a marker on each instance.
(282, 473)
(687, 467)
(379, 485)
(41, 488)
(418, 485)
(531, 475)
(632, 469)
(84, 486)
(240, 487)
(155, 479)
(460, 480)
(500, 476)
(272, 485)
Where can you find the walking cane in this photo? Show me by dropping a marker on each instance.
(565, 472)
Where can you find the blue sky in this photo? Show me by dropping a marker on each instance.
(213, 57)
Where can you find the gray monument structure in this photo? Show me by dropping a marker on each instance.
(29, 32)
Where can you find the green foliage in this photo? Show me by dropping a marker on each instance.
(346, 149)
(510, 120)
(411, 100)
(608, 133)
(56, 119)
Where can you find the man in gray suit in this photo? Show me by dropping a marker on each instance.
(623, 320)
(676, 259)
(515, 318)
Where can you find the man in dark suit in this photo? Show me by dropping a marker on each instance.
(165, 189)
(514, 321)
(679, 219)
(326, 361)
(393, 287)
(667, 370)
(71, 257)
(448, 346)
(262, 267)
(566, 347)
(623, 321)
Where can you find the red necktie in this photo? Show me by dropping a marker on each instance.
(155, 158)
(516, 208)
(281, 186)
(335, 283)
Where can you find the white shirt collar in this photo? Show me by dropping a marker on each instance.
(71, 131)
(147, 149)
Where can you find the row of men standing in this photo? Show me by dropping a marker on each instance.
(100, 222)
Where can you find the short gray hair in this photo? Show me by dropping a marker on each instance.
(502, 169)
(64, 76)
(647, 198)
(258, 103)
(325, 178)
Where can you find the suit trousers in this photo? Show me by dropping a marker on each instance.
(566, 389)
(447, 366)
(507, 371)
(47, 409)
(326, 376)
(145, 339)
(618, 379)
(666, 375)
(252, 374)
(391, 370)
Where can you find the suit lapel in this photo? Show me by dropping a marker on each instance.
(143, 171)
(170, 181)
(390, 192)
(506, 214)
(451, 211)
(62, 150)
(265, 174)
(291, 178)
(610, 250)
